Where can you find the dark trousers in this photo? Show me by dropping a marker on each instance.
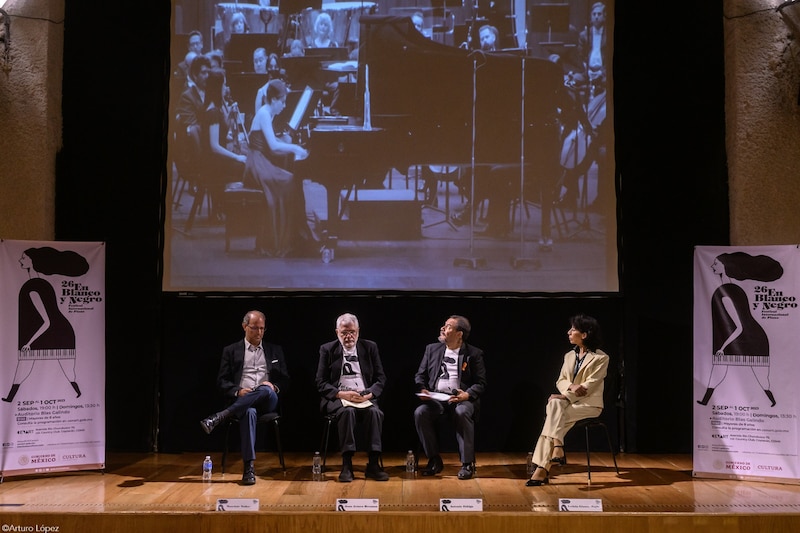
(370, 418)
(247, 409)
(426, 418)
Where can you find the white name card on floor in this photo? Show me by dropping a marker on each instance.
(460, 504)
(580, 505)
(237, 504)
(357, 504)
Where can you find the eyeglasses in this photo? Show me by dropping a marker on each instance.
(348, 332)
(256, 328)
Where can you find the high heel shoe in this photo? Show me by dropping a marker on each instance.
(559, 460)
(538, 482)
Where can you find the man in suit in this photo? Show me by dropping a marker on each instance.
(593, 49)
(350, 380)
(194, 47)
(455, 368)
(252, 374)
(190, 102)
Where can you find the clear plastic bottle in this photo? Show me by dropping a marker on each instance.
(529, 463)
(316, 467)
(410, 462)
(207, 467)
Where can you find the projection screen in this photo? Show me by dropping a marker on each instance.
(391, 146)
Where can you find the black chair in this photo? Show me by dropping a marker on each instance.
(587, 424)
(327, 421)
(267, 418)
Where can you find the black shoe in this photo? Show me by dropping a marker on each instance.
(538, 482)
(435, 465)
(559, 460)
(249, 475)
(208, 424)
(374, 471)
(460, 218)
(346, 475)
(466, 471)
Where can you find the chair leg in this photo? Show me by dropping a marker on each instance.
(225, 449)
(278, 443)
(326, 432)
(611, 449)
(588, 459)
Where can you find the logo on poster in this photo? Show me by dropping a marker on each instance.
(738, 465)
(73, 456)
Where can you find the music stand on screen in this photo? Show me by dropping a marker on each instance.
(299, 105)
(549, 18)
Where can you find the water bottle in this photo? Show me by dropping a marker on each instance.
(410, 462)
(207, 468)
(316, 467)
(529, 464)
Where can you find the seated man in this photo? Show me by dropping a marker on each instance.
(453, 367)
(349, 377)
(251, 375)
(488, 36)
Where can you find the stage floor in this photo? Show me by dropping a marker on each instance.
(171, 483)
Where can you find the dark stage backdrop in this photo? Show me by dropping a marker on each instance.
(163, 348)
(524, 341)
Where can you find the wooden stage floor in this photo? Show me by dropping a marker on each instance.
(161, 492)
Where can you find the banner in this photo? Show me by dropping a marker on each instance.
(52, 356)
(746, 368)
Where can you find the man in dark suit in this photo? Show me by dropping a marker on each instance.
(456, 369)
(350, 379)
(252, 374)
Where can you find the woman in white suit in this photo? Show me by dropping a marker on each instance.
(580, 386)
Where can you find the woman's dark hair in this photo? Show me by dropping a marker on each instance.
(741, 266)
(588, 325)
(462, 325)
(276, 90)
(47, 260)
(214, 85)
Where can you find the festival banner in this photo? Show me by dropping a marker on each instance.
(746, 325)
(52, 356)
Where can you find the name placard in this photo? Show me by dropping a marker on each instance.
(357, 504)
(237, 504)
(580, 505)
(460, 504)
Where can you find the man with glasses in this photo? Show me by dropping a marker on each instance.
(350, 379)
(451, 379)
(251, 375)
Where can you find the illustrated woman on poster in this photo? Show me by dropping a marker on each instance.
(44, 331)
(738, 338)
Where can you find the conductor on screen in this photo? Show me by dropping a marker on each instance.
(450, 380)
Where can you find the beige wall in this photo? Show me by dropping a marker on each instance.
(762, 80)
(763, 122)
(30, 112)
